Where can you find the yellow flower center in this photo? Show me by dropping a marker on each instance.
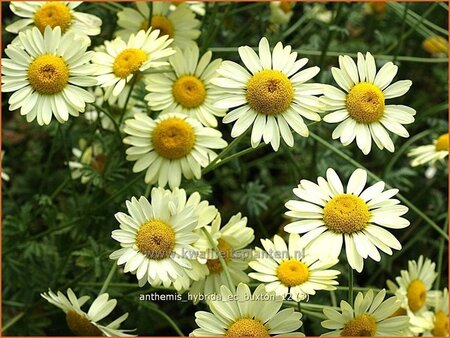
(417, 295)
(435, 45)
(442, 143)
(361, 326)
(189, 91)
(345, 214)
(365, 103)
(129, 61)
(247, 327)
(378, 7)
(226, 251)
(440, 324)
(80, 325)
(286, 6)
(53, 14)
(48, 74)
(292, 272)
(269, 92)
(173, 138)
(98, 163)
(155, 239)
(163, 24)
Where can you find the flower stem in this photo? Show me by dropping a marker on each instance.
(443, 243)
(371, 174)
(350, 285)
(108, 278)
(221, 260)
(165, 316)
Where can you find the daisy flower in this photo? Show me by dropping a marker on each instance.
(360, 109)
(370, 316)
(170, 146)
(198, 7)
(290, 270)
(179, 24)
(156, 239)
(281, 11)
(187, 89)
(231, 238)
(89, 162)
(60, 14)
(122, 60)
(430, 153)
(46, 73)
(86, 324)
(329, 215)
(414, 284)
(243, 314)
(435, 45)
(272, 97)
(438, 300)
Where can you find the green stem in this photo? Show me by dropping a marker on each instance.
(108, 278)
(443, 243)
(221, 260)
(225, 151)
(166, 317)
(402, 33)
(350, 285)
(232, 157)
(12, 321)
(333, 298)
(148, 190)
(410, 205)
(125, 105)
(309, 306)
(116, 126)
(314, 314)
(329, 36)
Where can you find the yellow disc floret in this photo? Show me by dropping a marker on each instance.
(226, 252)
(269, 92)
(440, 324)
(173, 138)
(247, 327)
(361, 326)
(365, 103)
(417, 295)
(346, 214)
(53, 14)
(378, 7)
(291, 272)
(442, 143)
(435, 45)
(189, 91)
(129, 61)
(48, 74)
(80, 325)
(155, 239)
(163, 24)
(286, 6)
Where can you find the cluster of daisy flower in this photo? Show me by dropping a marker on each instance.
(177, 241)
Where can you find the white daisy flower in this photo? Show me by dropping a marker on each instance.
(243, 314)
(328, 215)
(122, 60)
(290, 270)
(156, 239)
(412, 289)
(360, 109)
(46, 74)
(281, 11)
(188, 88)
(430, 153)
(274, 96)
(170, 146)
(60, 14)
(89, 162)
(230, 240)
(370, 316)
(438, 300)
(179, 24)
(198, 7)
(86, 324)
